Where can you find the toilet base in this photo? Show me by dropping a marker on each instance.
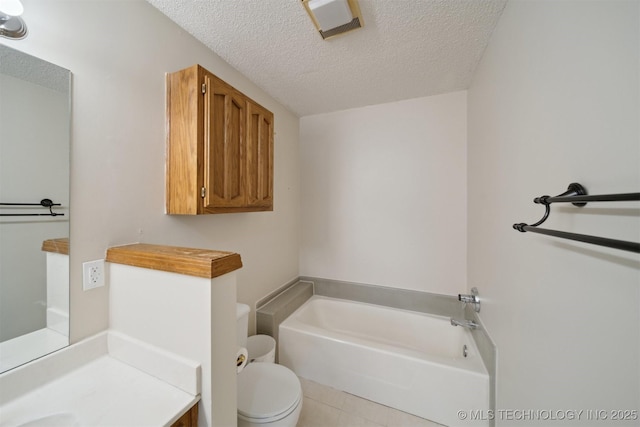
(289, 421)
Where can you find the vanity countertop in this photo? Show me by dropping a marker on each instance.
(190, 261)
(103, 392)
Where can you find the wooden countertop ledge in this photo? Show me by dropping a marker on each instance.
(190, 261)
(60, 246)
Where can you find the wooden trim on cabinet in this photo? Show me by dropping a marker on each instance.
(188, 419)
(185, 127)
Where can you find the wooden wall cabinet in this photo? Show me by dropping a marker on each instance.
(219, 147)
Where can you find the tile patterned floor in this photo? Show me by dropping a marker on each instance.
(327, 407)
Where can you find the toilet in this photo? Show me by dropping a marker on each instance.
(269, 395)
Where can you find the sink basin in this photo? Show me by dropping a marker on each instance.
(54, 420)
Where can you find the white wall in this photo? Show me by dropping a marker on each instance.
(119, 52)
(384, 194)
(555, 100)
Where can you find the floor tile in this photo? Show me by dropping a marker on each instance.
(325, 406)
(318, 414)
(322, 393)
(402, 419)
(366, 409)
(349, 420)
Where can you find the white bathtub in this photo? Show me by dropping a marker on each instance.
(406, 360)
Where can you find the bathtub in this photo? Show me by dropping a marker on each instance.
(407, 360)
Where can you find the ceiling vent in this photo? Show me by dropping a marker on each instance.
(334, 17)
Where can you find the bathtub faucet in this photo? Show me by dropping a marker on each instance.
(470, 324)
(471, 298)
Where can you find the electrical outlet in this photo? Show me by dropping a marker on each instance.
(92, 274)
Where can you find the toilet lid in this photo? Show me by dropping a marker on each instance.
(267, 390)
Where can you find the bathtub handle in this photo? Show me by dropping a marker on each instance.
(471, 298)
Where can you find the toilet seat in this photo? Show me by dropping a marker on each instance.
(267, 392)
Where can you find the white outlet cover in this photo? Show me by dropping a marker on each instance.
(93, 274)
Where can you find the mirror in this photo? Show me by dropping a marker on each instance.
(35, 120)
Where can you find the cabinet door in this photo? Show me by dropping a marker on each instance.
(189, 419)
(185, 123)
(259, 156)
(224, 136)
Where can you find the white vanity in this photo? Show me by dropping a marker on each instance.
(168, 306)
(84, 385)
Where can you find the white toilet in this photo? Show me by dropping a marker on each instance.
(269, 395)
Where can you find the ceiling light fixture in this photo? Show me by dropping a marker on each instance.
(11, 25)
(333, 17)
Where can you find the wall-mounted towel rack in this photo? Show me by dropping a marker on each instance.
(47, 203)
(577, 195)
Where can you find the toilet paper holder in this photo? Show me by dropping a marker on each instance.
(240, 360)
(242, 357)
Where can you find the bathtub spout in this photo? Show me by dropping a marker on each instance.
(470, 324)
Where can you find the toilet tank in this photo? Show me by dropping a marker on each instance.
(242, 329)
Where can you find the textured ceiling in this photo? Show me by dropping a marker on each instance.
(406, 49)
(35, 70)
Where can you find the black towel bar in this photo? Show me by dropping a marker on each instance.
(577, 195)
(47, 203)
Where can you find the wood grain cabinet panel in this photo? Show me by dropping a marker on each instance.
(224, 141)
(259, 156)
(219, 147)
(189, 419)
